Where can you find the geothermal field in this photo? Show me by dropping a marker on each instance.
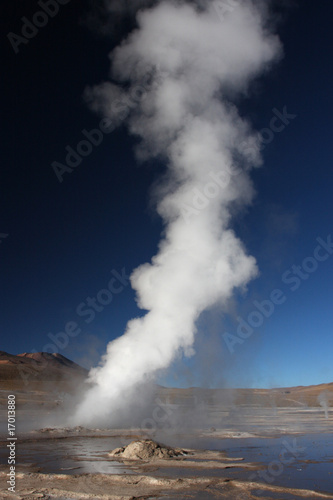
(180, 443)
(141, 235)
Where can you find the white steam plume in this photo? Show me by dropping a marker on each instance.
(197, 62)
(324, 399)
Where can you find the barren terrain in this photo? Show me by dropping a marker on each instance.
(213, 443)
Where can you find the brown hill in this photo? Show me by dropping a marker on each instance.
(38, 366)
(297, 397)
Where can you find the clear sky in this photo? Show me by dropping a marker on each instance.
(62, 242)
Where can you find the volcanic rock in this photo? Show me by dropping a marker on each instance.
(147, 449)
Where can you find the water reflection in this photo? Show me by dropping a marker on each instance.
(312, 468)
(70, 456)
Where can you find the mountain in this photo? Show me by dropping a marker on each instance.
(41, 370)
(297, 397)
(38, 366)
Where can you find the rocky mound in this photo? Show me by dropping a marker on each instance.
(147, 449)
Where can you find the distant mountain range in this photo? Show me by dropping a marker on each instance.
(300, 396)
(38, 366)
(39, 370)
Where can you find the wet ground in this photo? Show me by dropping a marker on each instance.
(293, 461)
(74, 455)
(290, 447)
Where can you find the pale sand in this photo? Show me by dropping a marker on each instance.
(130, 487)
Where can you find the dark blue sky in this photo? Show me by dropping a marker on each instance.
(65, 239)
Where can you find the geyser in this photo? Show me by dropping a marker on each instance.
(198, 63)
